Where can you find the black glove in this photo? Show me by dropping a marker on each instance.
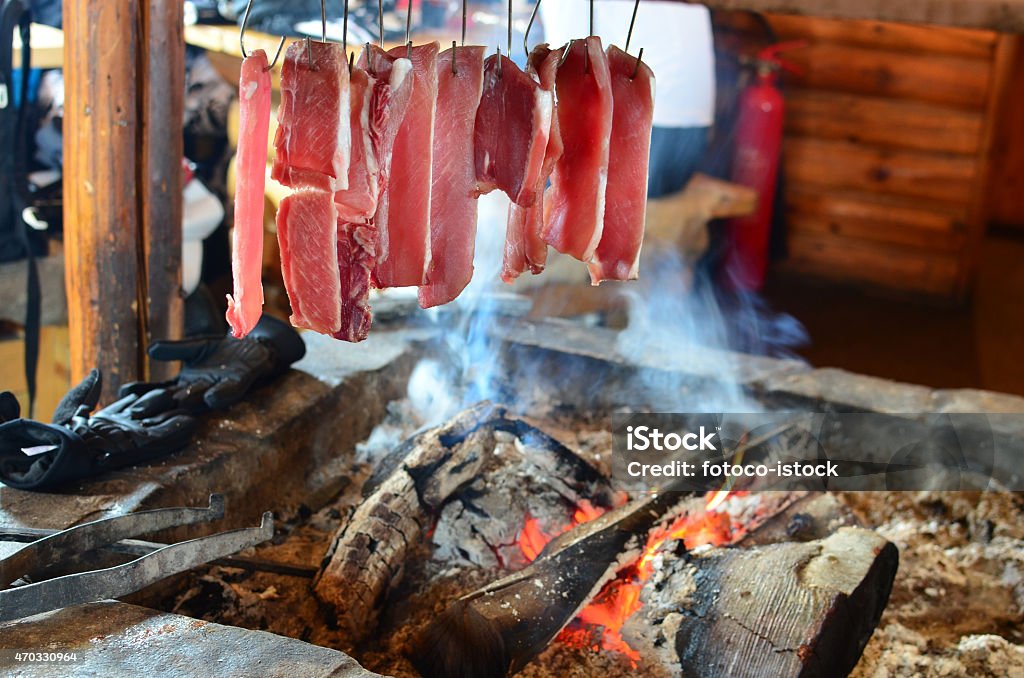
(35, 456)
(217, 371)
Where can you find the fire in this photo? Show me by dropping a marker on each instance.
(599, 625)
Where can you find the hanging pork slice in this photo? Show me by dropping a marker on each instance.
(575, 202)
(312, 145)
(246, 306)
(512, 126)
(524, 246)
(618, 254)
(307, 231)
(378, 107)
(453, 200)
(403, 211)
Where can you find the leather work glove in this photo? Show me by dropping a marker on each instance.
(217, 371)
(80, 443)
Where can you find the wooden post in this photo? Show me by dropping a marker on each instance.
(162, 79)
(101, 214)
(123, 67)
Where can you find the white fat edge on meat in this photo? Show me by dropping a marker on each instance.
(368, 152)
(343, 152)
(428, 254)
(602, 175)
(544, 109)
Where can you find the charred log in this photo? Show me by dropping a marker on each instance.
(414, 486)
(789, 609)
(498, 629)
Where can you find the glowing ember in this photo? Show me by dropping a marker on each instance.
(599, 625)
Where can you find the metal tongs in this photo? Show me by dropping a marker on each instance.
(70, 547)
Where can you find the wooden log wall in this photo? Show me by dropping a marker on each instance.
(887, 151)
(124, 76)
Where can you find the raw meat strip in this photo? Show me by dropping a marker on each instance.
(312, 143)
(357, 243)
(382, 106)
(618, 254)
(575, 202)
(307, 230)
(524, 247)
(392, 85)
(453, 181)
(359, 200)
(403, 213)
(246, 307)
(511, 135)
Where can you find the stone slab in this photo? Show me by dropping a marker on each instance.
(112, 639)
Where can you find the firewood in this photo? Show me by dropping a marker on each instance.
(498, 629)
(409, 489)
(789, 609)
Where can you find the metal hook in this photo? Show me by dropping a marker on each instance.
(464, 22)
(241, 38)
(508, 43)
(586, 44)
(526, 36)
(344, 28)
(380, 22)
(632, 21)
(639, 58)
(565, 52)
(408, 30)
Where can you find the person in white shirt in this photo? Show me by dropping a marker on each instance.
(678, 46)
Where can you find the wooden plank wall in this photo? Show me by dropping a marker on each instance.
(886, 150)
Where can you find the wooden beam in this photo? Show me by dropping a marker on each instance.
(124, 74)
(101, 219)
(998, 15)
(162, 83)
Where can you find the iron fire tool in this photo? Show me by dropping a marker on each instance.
(71, 547)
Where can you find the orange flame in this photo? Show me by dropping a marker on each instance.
(599, 624)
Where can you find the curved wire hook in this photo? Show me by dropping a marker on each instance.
(408, 30)
(526, 36)
(241, 38)
(632, 21)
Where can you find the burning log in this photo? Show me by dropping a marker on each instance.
(409, 490)
(788, 609)
(498, 629)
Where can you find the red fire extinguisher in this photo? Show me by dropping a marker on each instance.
(756, 164)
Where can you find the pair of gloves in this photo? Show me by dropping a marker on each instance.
(149, 420)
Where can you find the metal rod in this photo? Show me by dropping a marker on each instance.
(565, 53)
(632, 21)
(139, 547)
(464, 22)
(408, 30)
(380, 22)
(508, 43)
(344, 29)
(323, 21)
(454, 54)
(639, 58)
(499, 61)
(526, 36)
